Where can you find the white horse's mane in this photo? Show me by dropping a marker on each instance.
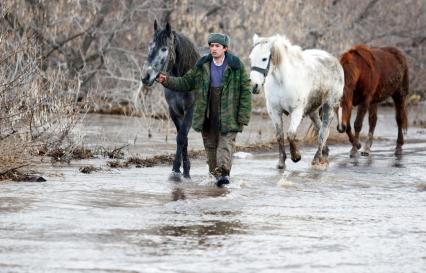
(283, 44)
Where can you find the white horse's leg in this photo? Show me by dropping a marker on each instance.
(276, 118)
(321, 155)
(296, 118)
(316, 120)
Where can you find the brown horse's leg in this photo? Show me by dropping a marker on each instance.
(349, 133)
(372, 121)
(401, 120)
(362, 110)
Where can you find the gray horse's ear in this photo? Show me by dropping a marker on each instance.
(168, 29)
(155, 25)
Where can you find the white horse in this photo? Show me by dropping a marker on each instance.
(297, 83)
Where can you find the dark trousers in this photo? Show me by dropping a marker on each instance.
(219, 147)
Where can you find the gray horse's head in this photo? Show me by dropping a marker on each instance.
(160, 54)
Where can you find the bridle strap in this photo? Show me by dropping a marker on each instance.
(260, 70)
(263, 71)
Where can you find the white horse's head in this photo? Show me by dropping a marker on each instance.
(264, 55)
(260, 62)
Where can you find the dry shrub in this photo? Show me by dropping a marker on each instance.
(37, 104)
(117, 164)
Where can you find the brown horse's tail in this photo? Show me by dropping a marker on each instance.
(404, 88)
(400, 98)
(404, 93)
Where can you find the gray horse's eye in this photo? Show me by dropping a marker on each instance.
(264, 60)
(164, 49)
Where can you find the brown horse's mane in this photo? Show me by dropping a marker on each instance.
(347, 60)
(365, 53)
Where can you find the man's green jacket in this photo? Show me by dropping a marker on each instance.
(235, 97)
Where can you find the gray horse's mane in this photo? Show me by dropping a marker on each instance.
(186, 54)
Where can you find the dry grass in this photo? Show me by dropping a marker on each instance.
(117, 164)
(419, 123)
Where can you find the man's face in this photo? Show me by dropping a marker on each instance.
(217, 50)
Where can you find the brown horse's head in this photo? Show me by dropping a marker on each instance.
(352, 73)
(344, 111)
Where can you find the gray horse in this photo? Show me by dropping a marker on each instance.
(175, 54)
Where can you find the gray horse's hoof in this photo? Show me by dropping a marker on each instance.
(398, 151)
(281, 165)
(175, 176)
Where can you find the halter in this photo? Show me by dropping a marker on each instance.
(263, 71)
(171, 57)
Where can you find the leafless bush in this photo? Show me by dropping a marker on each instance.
(37, 106)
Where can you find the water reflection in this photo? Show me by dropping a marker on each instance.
(397, 162)
(207, 228)
(182, 192)
(14, 204)
(178, 194)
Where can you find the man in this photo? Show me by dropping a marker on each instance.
(222, 102)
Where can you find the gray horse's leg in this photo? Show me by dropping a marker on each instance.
(296, 118)
(277, 120)
(176, 174)
(372, 121)
(321, 155)
(186, 126)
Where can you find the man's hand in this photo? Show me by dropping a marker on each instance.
(161, 78)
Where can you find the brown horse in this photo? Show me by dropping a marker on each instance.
(371, 75)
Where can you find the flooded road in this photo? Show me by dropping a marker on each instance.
(358, 215)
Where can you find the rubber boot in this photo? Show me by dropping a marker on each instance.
(223, 177)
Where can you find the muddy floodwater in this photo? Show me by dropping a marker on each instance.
(358, 215)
